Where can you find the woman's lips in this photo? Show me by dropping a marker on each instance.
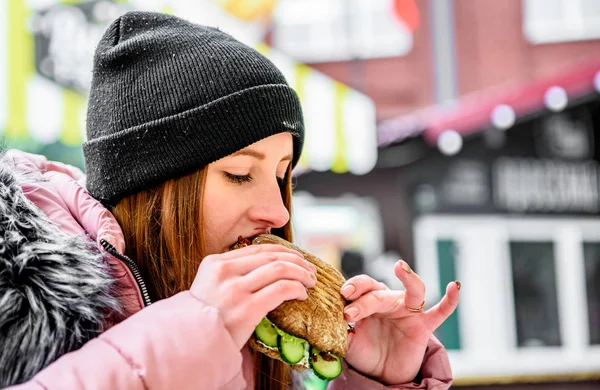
(241, 242)
(247, 240)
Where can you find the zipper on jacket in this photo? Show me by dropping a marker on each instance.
(135, 271)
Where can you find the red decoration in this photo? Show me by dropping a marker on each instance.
(407, 12)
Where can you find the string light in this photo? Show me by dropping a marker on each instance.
(503, 116)
(450, 142)
(556, 99)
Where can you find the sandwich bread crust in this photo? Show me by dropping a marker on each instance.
(320, 318)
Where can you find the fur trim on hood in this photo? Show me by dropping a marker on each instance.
(54, 288)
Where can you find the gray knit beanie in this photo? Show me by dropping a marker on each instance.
(169, 97)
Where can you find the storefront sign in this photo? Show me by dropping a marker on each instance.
(547, 166)
(529, 185)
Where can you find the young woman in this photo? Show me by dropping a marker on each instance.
(192, 137)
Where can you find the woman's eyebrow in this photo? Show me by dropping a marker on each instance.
(257, 155)
(251, 153)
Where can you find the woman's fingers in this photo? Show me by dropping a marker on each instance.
(275, 271)
(359, 285)
(369, 296)
(375, 302)
(254, 249)
(246, 264)
(415, 288)
(372, 297)
(274, 294)
(249, 310)
(444, 308)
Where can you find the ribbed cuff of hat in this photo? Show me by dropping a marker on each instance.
(118, 164)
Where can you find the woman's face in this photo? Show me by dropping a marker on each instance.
(242, 196)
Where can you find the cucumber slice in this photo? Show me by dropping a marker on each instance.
(291, 349)
(325, 365)
(266, 332)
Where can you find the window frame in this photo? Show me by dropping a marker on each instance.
(488, 331)
(324, 45)
(571, 26)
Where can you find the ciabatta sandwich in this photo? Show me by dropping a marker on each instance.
(305, 334)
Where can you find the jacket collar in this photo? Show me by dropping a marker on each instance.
(57, 291)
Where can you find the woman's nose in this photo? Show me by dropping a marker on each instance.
(269, 209)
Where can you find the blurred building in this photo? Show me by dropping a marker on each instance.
(390, 49)
(461, 135)
(487, 170)
(46, 52)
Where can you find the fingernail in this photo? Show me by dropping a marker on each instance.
(311, 266)
(351, 312)
(406, 267)
(313, 276)
(348, 290)
(457, 284)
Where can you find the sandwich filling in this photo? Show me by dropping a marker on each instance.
(295, 350)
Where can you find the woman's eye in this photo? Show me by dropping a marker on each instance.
(237, 179)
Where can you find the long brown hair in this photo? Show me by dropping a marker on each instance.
(163, 230)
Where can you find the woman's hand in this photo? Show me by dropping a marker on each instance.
(247, 283)
(390, 340)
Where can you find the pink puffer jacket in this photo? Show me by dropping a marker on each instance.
(176, 343)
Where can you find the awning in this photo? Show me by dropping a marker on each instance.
(496, 107)
(46, 50)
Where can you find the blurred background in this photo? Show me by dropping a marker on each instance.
(459, 135)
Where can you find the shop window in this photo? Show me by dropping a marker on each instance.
(546, 21)
(448, 333)
(338, 30)
(535, 294)
(591, 253)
